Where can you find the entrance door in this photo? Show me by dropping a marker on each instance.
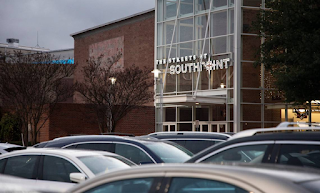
(218, 127)
(203, 127)
(167, 127)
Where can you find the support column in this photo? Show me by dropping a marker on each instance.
(237, 67)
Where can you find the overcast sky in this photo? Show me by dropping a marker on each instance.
(55, 20)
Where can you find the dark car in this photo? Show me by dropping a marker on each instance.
(290, 148)
(138, 150)
(193, 141)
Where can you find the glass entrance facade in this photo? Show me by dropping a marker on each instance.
(205, 50)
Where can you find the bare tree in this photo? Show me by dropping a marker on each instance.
(31, 85)
(112, 101)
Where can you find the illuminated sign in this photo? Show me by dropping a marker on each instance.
(187, 64)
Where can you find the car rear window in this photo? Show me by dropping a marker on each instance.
(102, 164)
(168, 153)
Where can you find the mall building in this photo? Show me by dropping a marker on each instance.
(205, 52)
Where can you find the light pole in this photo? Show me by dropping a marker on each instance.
(113, 82)
(158, 77)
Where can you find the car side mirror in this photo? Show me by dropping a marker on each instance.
(77, 177)
(234, 156)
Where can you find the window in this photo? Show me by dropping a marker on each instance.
(196, 185)
(248, 153)
(196, 146)
(2, 164)
(97, 146)
(139, 185)
(300, 155)
(133, 153)
(22, 166)
(57, 169)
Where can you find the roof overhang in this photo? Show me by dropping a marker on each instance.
(190, 100)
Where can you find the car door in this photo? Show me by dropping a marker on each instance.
(248, 152)
(297, 153)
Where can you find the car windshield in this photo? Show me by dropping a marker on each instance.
(102, 164)
(168, 153)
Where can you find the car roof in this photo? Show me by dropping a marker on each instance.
(8, 145)
(62, 152)
(257, 175)
(63, 141)
(190, 134)
(288, 136)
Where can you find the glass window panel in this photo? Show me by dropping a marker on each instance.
(2, 163)
(231, 3)
(203, 81)
(231, 22)
(133, 153)
(185, 126)
(217, 77)
(201, 25)
(248, 154)
(251, 96)
(197, 185)
(218, 45)
(251, 113)
(272, 113)
(300, 155)
(250, 47)
(249, 15)
(252, 3)
(219, 23)
(186, 7)
(202, 114)
(199, 47)
(202, 5)
(170, 114)
(141, 185)
(231, 41)
(185, 114)
(196, 146)
(21, 166)
(171, 8)
(57, 169)
(186, 49)
(159, 34)
(160, 53)
(251, 76)
(186, 30)
(214, 128)
(159, 10)
(169, 32)
(184, 81)
(220, 4)
(248, 125)
(173, 52)
(218, 112)
(170, 84)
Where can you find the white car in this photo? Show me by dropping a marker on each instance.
(204, 178)
(58, 169)
(8, 147)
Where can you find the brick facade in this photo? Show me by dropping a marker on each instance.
(134, 36)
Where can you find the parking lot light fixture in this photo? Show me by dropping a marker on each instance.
(113, 80)
(158, 77)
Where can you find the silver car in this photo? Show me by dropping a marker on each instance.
(204, 178)
(57, 169)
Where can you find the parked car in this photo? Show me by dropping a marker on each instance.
(138, 150)
(193, 141)
(204, 178)
(294, 148)
(8, 147)
(59, 169)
